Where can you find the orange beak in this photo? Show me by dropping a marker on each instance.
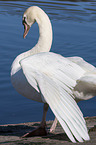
(26, 29)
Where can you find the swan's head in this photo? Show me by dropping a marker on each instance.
(35, 14)
(28, 19)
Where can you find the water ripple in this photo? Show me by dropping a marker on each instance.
(80, 11)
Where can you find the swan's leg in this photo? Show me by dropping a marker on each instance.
(45, 109)
(52, 129)
(41, 130)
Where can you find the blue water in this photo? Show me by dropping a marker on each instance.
(74, 28)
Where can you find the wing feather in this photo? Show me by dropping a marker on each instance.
(74, 121)
(55, 79)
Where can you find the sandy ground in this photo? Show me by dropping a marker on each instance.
(11, 134)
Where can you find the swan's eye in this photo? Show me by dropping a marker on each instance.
(24, 20)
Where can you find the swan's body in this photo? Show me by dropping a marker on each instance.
(52, 79)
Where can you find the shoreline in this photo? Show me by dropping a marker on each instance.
(11, 134)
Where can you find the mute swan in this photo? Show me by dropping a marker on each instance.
(56, 81)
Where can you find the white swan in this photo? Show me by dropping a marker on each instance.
(54, 80)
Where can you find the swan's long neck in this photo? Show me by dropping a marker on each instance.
(45, 34)
(44, 42)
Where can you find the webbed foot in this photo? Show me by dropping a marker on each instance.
(40, 131)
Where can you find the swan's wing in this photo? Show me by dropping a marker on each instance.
(65, 109)
(86, 85)
(58, 97)
(82, 63)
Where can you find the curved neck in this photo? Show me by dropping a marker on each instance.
(45, 34)
(44, 42)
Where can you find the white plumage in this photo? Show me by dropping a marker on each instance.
(50, 78)
(55, 77)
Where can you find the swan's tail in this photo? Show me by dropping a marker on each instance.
(86, 87)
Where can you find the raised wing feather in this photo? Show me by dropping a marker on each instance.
(83, 64)
(55, 81)
(86, 85)
(69, 116)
